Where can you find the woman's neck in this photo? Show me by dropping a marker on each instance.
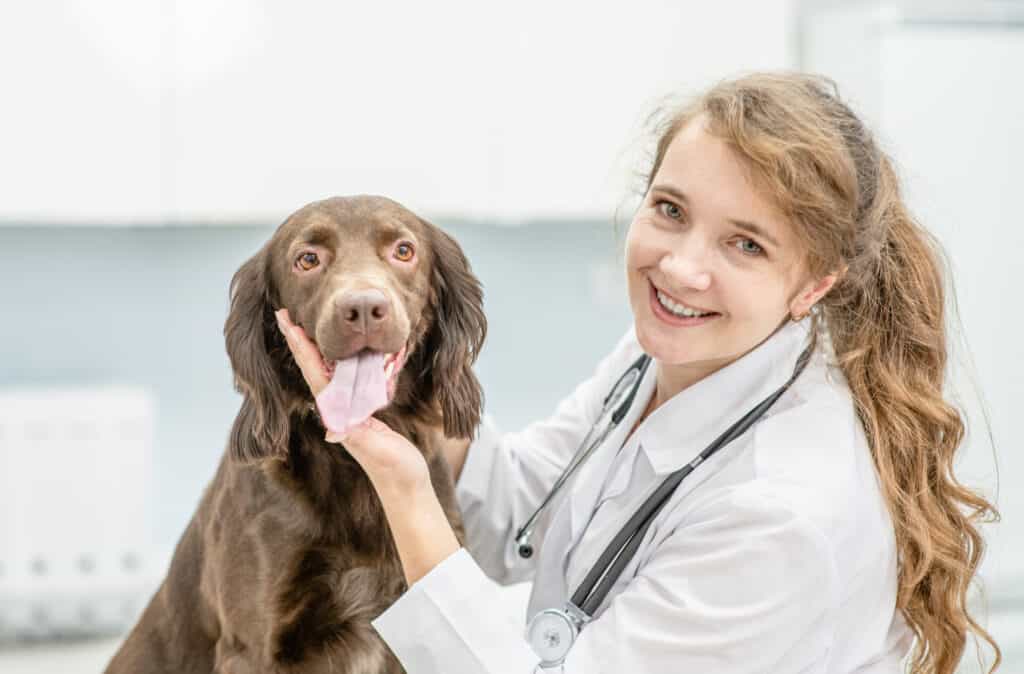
(671, 379)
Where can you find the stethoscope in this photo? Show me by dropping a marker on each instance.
(622, 394)
(552, 632)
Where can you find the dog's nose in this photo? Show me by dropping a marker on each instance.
(364, 311)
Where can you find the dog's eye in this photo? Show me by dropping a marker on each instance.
(404, 251)
(307, 261)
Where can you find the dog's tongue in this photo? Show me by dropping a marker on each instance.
(357, 390)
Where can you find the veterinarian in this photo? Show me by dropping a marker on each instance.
(772, 254)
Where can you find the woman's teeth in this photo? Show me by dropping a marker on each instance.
(679, 309)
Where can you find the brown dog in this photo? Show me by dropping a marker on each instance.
(289, 555)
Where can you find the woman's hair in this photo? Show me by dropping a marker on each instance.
(815, 160)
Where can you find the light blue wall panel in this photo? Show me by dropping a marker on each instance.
(146, 306)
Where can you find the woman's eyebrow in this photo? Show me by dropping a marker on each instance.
(758, 231)
(669, 189)
(742, 224)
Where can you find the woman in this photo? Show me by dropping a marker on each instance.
(822, 539)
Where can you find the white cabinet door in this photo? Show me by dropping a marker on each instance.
(228, 110)
(84, 114)
(474, 110)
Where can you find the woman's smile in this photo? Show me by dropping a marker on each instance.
(675, 313)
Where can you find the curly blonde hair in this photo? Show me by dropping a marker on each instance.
(822, 168)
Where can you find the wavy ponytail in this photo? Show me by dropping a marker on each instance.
(890, 341)
(885, 318)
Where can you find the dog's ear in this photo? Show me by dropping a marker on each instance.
(454, 340)
(251, 335)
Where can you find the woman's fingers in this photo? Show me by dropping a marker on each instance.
(392, 462)
(372, 434)
(306, 355)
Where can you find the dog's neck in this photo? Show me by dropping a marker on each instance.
(329, 485)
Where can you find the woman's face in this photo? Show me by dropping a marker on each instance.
(704, 241)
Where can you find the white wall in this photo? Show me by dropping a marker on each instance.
(199, 110)
(953, 110)
(943, 89)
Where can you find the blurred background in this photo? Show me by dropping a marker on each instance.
(149, 147)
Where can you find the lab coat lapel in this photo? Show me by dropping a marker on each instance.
(584, 493)
(549, 590)
(570, 519)
(587, 488)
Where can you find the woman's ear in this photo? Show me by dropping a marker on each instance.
(250, 333)
(455, 338)
(811, 292)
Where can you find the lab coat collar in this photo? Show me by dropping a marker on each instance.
(689, 421)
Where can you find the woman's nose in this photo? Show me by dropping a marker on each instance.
(689, 268)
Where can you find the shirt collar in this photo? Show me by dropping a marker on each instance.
(689, 421)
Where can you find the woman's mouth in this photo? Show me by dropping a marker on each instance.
(675, 313)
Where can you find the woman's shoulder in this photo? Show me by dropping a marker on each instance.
(812, 451)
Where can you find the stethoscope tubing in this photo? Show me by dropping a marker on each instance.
(586, 446)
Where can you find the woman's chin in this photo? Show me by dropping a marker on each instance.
(675, 348)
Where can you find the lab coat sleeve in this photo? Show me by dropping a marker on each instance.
(506, 476)
(747, 585)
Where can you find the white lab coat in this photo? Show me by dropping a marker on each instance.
(775, 555)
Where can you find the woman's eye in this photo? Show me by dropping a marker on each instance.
(750, 247)
(307, 261)
(404, 251)
(670, 209)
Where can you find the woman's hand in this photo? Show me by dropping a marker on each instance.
(305, 353)
(394, 465)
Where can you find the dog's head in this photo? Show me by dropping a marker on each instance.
(358, 274)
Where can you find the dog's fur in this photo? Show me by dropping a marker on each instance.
(289, 555)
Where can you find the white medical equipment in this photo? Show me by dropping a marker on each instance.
(76, 547)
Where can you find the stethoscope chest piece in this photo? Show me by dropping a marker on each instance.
(551, 633)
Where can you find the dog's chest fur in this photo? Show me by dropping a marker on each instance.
(299, 558)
